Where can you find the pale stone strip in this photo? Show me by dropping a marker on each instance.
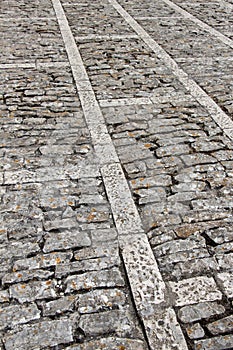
(17, 65)
(41, 64)
(20, 19)
(200, 23)
(221, 118)
(139, 258)
(143, 275)
(163, 331)
(97, 37)
(126, 216)
(125, 102)
(37, 64)
(141, 18)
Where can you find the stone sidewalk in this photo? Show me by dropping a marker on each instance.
(116, 175)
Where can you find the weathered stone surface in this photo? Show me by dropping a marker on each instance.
(145, 278)
(47, 333)
(217, 343)
(225, 281)
(175, 246)
(95, 279)
(100, 300)
(103, 235)
(33, 291)
(193, 267)
(199, 311)
(20, 276)
(224, 325)
(225, 261)
(195, 331)
(111, 344)
(95, 264)
(18, 250)
(163, 331)
(59, 306)
(4, 296)
(18, 314)
(42, 261)
(103, 250)
(221, 234)
(195, 290)
(119, 322)
(65, 240)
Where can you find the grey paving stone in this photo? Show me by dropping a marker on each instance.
(66, 240)
(225, 280)
(59, 306)
(110, 343)
(47, 333)
(216, 343)
(33, 291)
(119, 322)
(100, 300)
(4, 296)
(42, 261)
(95, 279)
(195, 331)
(200, 311)
(18, 314)
(21, 276)
(94, 264)
(195, 290)
(103, 250)
(175, 246)
(225, 261)
(224, 325)
(194, 267)
(18, 249)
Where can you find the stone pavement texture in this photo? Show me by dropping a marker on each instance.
(116, 175)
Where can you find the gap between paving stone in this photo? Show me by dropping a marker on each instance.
(221, 118)
(200, 23)
(148, 288)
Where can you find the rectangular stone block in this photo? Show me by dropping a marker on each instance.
(217, 343)
(195, 290)
(65, 240)
(39, 335)
(40, 261)
(18, 314)
(101, 299)
(224, 325)
(33, 291)
(95, 279)
(191, 313)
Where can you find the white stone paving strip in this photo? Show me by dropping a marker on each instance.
(144, 277)
(125, 102)
(201, 24)
(221, 118)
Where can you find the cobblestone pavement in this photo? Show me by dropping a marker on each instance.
(116, 175)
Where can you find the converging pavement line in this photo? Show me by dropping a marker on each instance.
(147, 285)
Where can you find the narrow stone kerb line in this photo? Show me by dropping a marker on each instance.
(221, 118)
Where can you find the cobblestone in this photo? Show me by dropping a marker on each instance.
(116, 175)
